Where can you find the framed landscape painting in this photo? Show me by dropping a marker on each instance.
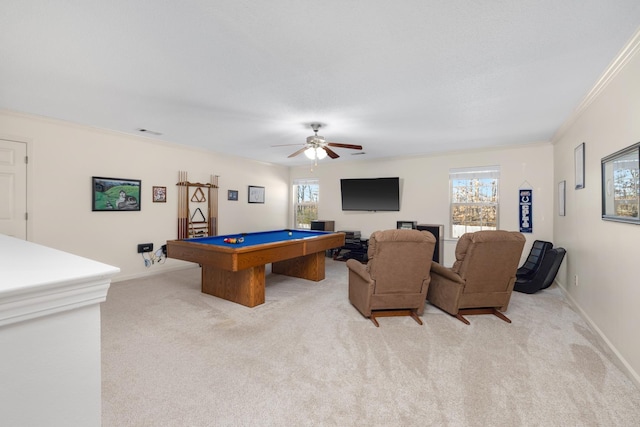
(115, 194)
(621, 185)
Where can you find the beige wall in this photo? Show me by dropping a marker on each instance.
(424, 186)
(63, 157)
(603, 255)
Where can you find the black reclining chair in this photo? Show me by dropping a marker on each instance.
(543, 277)
(531, 265)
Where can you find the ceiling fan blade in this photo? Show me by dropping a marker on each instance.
(330, 152)
(352, 146)
(298, 152)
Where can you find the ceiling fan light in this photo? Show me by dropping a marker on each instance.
(310, 153)
(320, 153)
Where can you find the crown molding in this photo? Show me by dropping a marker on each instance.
(622, 59)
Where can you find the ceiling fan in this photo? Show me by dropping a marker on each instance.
(317, 148)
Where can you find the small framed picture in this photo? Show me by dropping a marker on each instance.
(579, 166)
(256, 194)
(562, 191)
(232, 195)
(159, 194)
(115, 194)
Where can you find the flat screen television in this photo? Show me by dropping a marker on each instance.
(370, 194)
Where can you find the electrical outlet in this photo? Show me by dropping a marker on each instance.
(145, 247)
(575, 280)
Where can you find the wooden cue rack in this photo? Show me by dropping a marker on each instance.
(197, 207)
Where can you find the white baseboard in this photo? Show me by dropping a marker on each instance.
(623, 364)
(153, 272)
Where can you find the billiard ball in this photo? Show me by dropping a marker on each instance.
(290, 234)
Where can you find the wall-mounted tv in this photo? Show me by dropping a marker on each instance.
(370, 194)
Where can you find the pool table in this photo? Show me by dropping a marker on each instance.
(236, 271)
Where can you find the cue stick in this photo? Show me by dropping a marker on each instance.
(213, 206)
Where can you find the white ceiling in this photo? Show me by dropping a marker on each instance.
(399, 77)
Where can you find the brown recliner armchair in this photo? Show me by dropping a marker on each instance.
(396, 278)
(482, 277)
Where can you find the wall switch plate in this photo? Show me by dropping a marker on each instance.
(145, 247)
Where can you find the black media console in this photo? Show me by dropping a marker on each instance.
(438, 232)
(354, 247)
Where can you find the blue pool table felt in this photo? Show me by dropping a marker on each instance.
(258, 238)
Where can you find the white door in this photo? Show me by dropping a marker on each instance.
(13, 188)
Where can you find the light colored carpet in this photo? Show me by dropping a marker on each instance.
(172, 356)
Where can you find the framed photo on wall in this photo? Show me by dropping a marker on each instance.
(620, 184)
(579, 165)
(232, 195)
(256, 194)
(115, 194)
(562, 189)
(159, 194)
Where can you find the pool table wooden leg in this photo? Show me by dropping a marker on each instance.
(244, 287)
(310, 267)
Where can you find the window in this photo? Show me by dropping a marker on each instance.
(474, 199)
(305, 208)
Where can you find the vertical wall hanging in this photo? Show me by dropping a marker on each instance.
(562, 192)
(578, 155)
(192, 220)
(526, 208)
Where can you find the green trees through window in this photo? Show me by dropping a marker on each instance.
(474, 199)
(306, 194)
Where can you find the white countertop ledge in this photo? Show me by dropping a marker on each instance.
(36, 281)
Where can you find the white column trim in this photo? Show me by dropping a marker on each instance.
(38, 281)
